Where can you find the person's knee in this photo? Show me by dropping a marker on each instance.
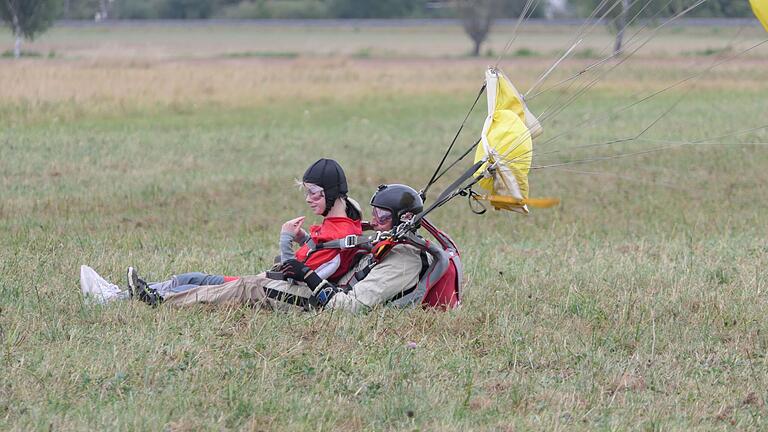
(237, 291)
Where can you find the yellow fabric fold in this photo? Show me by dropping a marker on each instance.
(510, 143)
(760, 9)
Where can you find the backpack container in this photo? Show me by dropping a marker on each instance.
(440, 285)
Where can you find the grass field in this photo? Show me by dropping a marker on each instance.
(637, 304)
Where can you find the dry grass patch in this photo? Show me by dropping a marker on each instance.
(69, 90)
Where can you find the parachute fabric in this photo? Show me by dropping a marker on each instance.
(760, 9)
(507, 147)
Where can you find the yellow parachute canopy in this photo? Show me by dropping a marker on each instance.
(760, 8)
(507, 147)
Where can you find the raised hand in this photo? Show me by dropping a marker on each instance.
(293, 227)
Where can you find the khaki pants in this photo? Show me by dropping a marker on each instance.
(254, 290)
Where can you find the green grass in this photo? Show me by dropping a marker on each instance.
(442, 41)
(638, 303)
(26, 54)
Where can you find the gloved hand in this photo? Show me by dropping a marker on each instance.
(322, 297)
(296, 270)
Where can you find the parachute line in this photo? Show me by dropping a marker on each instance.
(623, 177)
(656, 93)
(522, 18)
(629, 42)
(450, 147)
(463, 155)
(644, 99)
(552, 68)
(673, 143)
(546, 114)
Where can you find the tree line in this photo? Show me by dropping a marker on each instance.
(28, 18)
(362, 9)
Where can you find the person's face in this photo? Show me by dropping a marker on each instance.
(381, 219)
(315, 198)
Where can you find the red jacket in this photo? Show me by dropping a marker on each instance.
(332, 228)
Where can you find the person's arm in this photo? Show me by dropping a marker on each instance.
(286, 247)
(301, 237)
(328, 268)
(397, 272)
(290, 232)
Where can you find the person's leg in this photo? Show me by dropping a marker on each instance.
(247, 290)
(197, 278)
(186, 281)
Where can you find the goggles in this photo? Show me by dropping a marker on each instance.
(381, 216)
(313, 192)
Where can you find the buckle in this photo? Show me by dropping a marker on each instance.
(381, 235)
(350, 241)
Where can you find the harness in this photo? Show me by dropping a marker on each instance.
(349, 242)
(439, 281)
(433, 287)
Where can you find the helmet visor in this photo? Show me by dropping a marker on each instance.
(312, 191)
(381, 216)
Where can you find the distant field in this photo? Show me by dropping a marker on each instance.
(638, 303)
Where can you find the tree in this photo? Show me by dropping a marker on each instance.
(103, 10)
(621, 25)
(615, 13)
(28, 18)
(477, 17)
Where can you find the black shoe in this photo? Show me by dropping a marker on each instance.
(140, 289)
(135, 283)
(150, 297)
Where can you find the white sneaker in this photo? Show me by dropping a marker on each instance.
(98, 290)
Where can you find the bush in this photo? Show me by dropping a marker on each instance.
(183, 9)
(301, 9)
(374, 8)
(137, 9)
(292, 9)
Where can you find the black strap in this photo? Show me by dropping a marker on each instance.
(402, 294)
(449, 192)
(459, 181)
(424, 264)
(474, 203)
(363, 272)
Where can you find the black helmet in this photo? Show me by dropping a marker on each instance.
(399, 199)
(327, 173)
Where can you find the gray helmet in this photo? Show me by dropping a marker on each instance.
(399, 199)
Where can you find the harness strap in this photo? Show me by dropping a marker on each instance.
(349, 242)
(285, 297)
(424, 264)
(359, 275)
(379, 251)
(422, 272)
